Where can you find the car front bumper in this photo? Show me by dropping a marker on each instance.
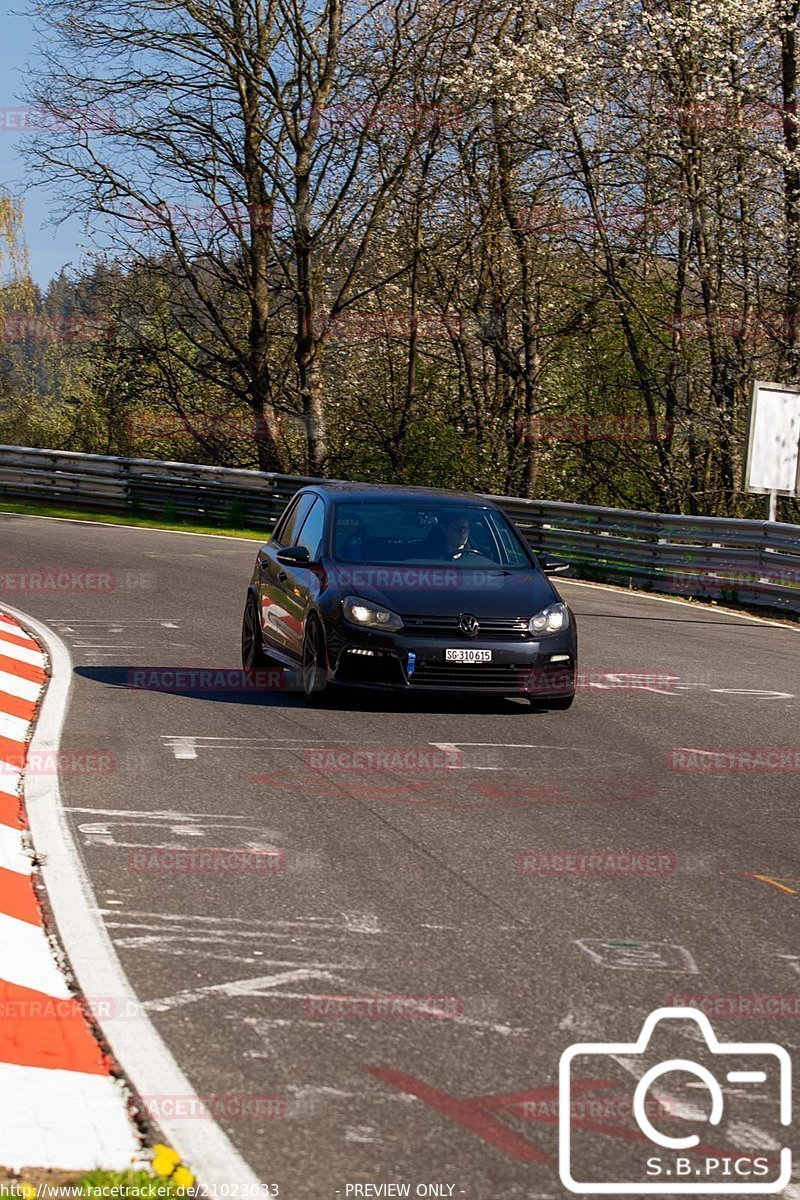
(369, 658)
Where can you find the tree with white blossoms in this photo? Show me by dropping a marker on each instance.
(646, 111)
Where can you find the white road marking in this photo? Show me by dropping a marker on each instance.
(765, 695)
(26, 958)
(614, 680)
(200, 919)
(66, 1120)
(188, 745)
(436, 1015)
(628, 954)
(13, 856)
(502, 745)
(364, 1134)
(134, 1043)
(157, 815)
(261, 986)
(184, 748)
(100, 833)
(361, 922)
(70, 622)
(23, 689)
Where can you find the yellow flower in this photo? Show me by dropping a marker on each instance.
(28, 1191)
(165, 1160)
(183, 1178)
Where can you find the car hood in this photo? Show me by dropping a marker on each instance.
(442, 591)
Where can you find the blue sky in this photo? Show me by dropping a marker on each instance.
(49, 248)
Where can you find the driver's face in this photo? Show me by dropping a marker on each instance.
(457, 532)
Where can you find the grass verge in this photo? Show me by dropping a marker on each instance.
(104, 1185)
(69, 514)
(167, 1177)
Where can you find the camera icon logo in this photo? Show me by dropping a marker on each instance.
(678, 1162)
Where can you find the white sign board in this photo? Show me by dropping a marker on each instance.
(773, 440)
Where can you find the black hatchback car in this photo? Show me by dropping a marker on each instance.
(408, 588)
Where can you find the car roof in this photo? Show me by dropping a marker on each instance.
(388, 491)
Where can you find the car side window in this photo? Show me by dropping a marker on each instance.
(310, 534)
(284, 534)
(513, 554)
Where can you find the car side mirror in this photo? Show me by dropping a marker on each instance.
(555, 566)
(294, 556)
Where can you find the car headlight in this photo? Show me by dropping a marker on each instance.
(553, 619)
(371, 616)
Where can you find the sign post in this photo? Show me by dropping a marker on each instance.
(772, 467)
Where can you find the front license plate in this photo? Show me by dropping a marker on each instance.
(467, 656)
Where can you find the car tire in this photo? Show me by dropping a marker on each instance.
(557, 703)
(253, 656)
(313, 672)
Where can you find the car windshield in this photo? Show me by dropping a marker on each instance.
(425, 534)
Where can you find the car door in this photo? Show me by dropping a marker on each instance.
(272, 576)
(301, 586)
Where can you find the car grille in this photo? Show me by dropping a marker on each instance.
(502, 629)
(512, 676)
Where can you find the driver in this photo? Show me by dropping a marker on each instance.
(456, 532)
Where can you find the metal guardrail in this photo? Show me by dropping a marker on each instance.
(754, 562)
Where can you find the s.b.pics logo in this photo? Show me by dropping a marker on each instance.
(716, 1126)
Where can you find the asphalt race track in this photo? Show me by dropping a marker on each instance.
(409, 883)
